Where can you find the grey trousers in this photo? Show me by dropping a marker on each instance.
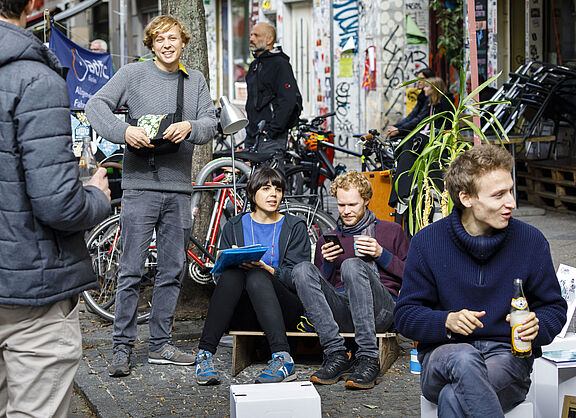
(364, 308)
(142, 212)
(40, 349)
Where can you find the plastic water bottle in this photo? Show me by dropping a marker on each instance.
(87, 165)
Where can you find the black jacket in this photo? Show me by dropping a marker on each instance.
(44, 209)
(272, 93)
(418, 113)
(294, 244)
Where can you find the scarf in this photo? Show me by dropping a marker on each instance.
(365, 226)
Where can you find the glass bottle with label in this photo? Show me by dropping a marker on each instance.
(87, 164)
(519, 311)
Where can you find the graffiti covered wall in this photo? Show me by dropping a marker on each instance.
(211, 41)
(345, 21)
(365, 101)
(400, 61)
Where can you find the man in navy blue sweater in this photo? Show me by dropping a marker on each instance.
(457, 288)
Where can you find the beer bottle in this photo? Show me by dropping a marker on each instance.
(87, 164)
(518, 313)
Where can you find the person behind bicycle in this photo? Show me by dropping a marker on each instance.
(273, 94)
(258, 294)
(420, 110)
(156, 186)
(346, 292)
(438, 101)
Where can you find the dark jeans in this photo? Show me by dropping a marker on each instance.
(142, 212)
(480, 379)
(251, 300)
(364, 308)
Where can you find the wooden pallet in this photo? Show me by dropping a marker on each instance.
(551, 184)
(244, 347)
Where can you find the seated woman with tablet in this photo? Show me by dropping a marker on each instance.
(258, 294)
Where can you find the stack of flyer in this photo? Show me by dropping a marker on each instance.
(560, 356)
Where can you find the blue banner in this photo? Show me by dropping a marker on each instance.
(87, 71)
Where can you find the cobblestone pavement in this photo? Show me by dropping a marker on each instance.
(154, 390)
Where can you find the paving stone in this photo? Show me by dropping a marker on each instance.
(168, 391)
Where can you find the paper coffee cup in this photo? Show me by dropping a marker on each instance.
(356, 252)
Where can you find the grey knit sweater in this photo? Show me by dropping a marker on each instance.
(146, 90)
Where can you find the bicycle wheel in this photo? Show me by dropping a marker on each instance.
(317, 221)
(299, 184)
(103, 245)
(212, 191)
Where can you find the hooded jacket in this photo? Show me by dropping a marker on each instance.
(44, 208)
(272, 93)
(293, 243)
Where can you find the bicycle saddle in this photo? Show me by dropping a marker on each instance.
(253, 157)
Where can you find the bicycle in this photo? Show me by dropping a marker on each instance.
(212, 183)
(310, 151)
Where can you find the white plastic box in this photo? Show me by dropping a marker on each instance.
(551, 381)
(290, 399)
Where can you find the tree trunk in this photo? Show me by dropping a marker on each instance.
(194, 297)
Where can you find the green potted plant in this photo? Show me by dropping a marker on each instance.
(444, 144)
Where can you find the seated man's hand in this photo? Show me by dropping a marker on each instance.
(137, 138)
(529, 330)
(392, 131)
(369, 246)
(464, 322)
(331, 251)
(177, 132)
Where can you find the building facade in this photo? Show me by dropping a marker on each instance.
(349, 56)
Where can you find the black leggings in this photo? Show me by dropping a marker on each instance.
(251, 300)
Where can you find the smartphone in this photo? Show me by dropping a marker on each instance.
(333, 238)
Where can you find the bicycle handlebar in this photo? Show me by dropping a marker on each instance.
(320, 119)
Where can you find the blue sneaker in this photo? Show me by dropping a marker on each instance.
(305, 325)
(205, 373)
(280, 369)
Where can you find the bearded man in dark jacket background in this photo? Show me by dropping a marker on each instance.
(45, 209)
(273, 95)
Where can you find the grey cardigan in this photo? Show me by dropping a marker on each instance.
(146, 90)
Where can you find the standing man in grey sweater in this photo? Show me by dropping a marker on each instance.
(156, 186)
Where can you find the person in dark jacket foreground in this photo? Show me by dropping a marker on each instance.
(342, 292)
(260, 292)
(45, 209)
(272, 91)
(458, 284)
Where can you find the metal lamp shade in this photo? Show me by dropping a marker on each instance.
(231, 118)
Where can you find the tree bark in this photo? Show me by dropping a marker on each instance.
(194, 297)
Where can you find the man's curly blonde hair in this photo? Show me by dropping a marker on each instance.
(161, 24)
(351, 179)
